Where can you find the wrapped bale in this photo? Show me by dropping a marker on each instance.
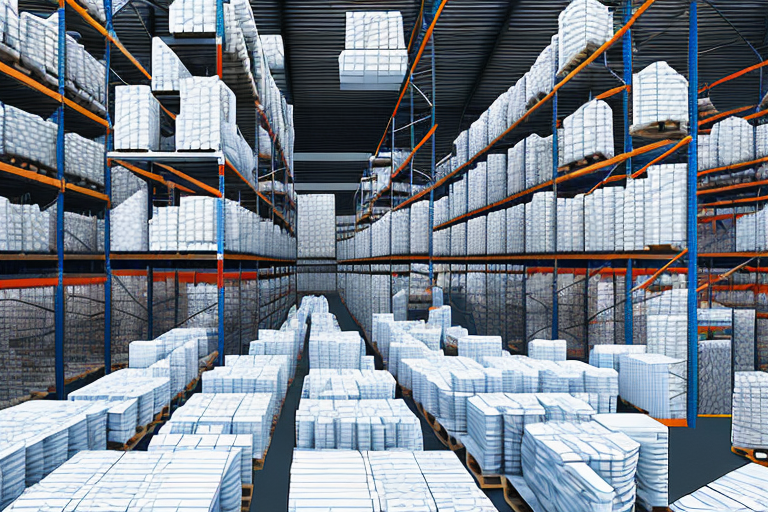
(583, 27)
(167, 68)
(660, 95)
(137, 119)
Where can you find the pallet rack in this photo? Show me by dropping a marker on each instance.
(209, 174)
(634, 161)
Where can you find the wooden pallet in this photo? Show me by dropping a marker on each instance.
(485, 481)
(532, 103)
(578, 59)
(513, 498)
(245, 505)
(756, 455)
(660, 130)
(662, 248)
(141, 432)
(449, 441)
(584, 162)
(404, 391)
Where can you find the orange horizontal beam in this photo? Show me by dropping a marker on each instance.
(673, 423)
(147, 174)
(40, 282)
(87, 192)
(613, 92)
(425, 40)
(687, 140)
(756, 115)
(656, 275)
(33, 176)
(715, 218)
(190, 179)
(739, 186)
(739, 201)
(721, 115)
(733, 75)
(732, 167)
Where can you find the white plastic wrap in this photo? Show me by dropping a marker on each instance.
(587, 132)
(659, 94)
(167, 68)
(137, 118)
(583, 27)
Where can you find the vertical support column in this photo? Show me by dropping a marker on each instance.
(59, 314)
(525, 309)
(220, 220)
(432, 172)
(555, 161)
(587, 275)
(150, 273)
(272, 176)
(108, 191)
(629, 333)
(626, 48)
(693, 253)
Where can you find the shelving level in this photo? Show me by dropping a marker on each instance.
(66, 286)
(600, 292)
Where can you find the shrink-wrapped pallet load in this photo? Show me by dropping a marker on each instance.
(659, 95)
(587, 132)
(734, 139)
(137, 119)
(516, 229)
(29, 137)
(419, 236)
(654, 383)
(582, 27)
(541, 78)
(197, 224)
(129, 230)
(749, 426)
(84, 158)
(496, 232)
(516, 168)
(192, 16)
(167, 69)
(476, 236)
(665, 205)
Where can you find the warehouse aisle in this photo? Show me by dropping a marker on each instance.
(271, 484)
(431, 442)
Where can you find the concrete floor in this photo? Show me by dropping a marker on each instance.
(697, 456)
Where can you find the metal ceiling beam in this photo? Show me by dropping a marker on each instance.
(286, 51)
(334, 187)
(331, 157)
(503, 29)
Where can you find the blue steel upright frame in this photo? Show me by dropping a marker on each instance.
(108, 191)
(693, 253)
(59, 314)
(555, 161)
(626, 49)
(220, 213)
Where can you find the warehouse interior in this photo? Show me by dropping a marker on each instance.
(421, 255)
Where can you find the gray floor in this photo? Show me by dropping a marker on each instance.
(697, 456)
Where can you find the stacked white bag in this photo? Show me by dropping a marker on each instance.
(749, 427)
(28, 136)
(137, 118)
(654, 383)
(659, 94)
(84, 158)
(587, 132)
(476, 236)
(665, 206)
(167, 68)
(419, 236)
(374, 57)
(734, 139)
(583, 27)
(197, 224)
(540, 223)
(516, 226)
(192, 16)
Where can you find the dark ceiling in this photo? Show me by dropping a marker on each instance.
(482, 47)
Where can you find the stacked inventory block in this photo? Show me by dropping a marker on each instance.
(316, 229)
(587, 132)
(583, 26)
(580, 466)
(377, 425)
(749, 428)
(167, 68)
(660, 94)
(137, 119)
(734, 139)
(479, 347)
(714, 376)
(374, 57)
(666, 201)
(742, 489)
(655, 383)
(348, 385)
(550, 350)
(197, 224)
(653, 462)
(609, 356)
(420, 228)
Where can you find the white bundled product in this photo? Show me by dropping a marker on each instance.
(207, 114)
(548, 350)
(477, 187)
(227, 413)
(441, 317)
(540, 223)
(519, 410)
(541, 78)
(580, 467)
(538, 160)
(454, 334)
(583, 27)
(604, 220)
(441, 242)
(29, 137)
(659, 94)
(192, 16)
(164, 229)
(461, 145)
(634, 215)
(496, 178)
(516, 168)
(209, 479)
(167, 68)
(654, 383)
(374, 30)
(272, 45)
(385, 424)
(707, 152)
(79, 233)
(197, 224)
(564, 407)
(400, 306)
(497, 116)
(518, 376)
(749, 427)
(517, 101)
(419, 237)
(609, 356)
(349, 385)
(429, 336)
(442, 210)
(316, 229)
(744, 339)
(743, 489)
(372, 70)
(476, 236)
(137, 118)
(667, 334)
(336, 350)
(251, 374)
(10, 36)
(35, 227)
(479, 347)
(485, 431)
(152, 394)
(39, 43)
(714, 376)
(587, 132)
(459, 239)
(497, 232)
(516, 229)
(478, 135)
(734, 138)
(459, 197)
(653, 461)
(217, 442)
(761, 141)
(665, 208)
(84, 158)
